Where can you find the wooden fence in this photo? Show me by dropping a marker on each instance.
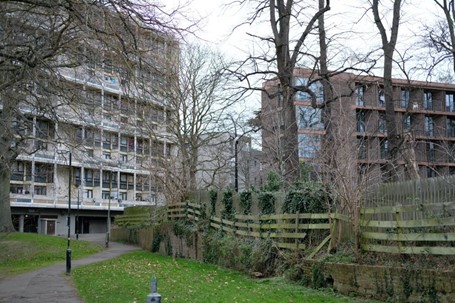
(414, 192)
(289, 231)
(409, 229)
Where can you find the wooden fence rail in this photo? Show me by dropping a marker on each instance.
(289, 231)
(430, 229)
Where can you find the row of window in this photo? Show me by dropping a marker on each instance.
(448, 152)
(405, 99)
(429, 124)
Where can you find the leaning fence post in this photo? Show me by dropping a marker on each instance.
(153, 297)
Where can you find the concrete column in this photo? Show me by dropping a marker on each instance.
(21, 223)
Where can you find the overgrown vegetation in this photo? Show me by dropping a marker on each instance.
(266, 201)
(246, 202)
(307, 197)
(213, 197)
(21, 252)
(228, 211)
(243, 254)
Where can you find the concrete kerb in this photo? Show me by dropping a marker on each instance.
(50, 284)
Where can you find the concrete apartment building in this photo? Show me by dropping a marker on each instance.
(424, 113)
(103, 151)
(227, 160)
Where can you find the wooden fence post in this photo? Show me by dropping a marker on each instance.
(297, 229)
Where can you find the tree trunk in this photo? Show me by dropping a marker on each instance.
(288, 127)
(6, 224)
(388, 47)
(392, 134)
(6, 157)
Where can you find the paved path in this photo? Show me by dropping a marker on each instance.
(50, 284)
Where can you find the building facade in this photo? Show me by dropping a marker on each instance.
(100, 151)
(227, 160)
(349, 129)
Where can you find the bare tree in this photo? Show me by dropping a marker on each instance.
(441, 36)
(291, 25)
(41, 42)
(202, 98)
(388, 47)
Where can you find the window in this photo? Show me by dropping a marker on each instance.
(88, 193)
(123, 196)
(315, 86)
(43, 129)
(431, 172)
(107, 141)
(427, 101)
(123, 158)
(94, 98)
(451, 127)
(430, 152)
(110, 102)
(110, 140)
(17, 171)
(382, 126)
(451, 152)
(361, 125)
(360, 91)
(362, 150)
(309, 117)
(79, 135)
(309, 145)
(381, 97)
(90, 153)
(404, 100)
(105, 195)
(98, 138)
(429, 126)
(88, 177)
(384, 148)
(123, 181)
(89, 137)
(40, 190)
(107, 156)
(16, 189)
(109, 179)
(77, 175)
(407, 122)
(450, 105)
(43, 173)
(126, 144)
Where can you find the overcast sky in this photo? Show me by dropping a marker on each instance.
(349, 17)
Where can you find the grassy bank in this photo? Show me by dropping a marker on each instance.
(21, 252)
(127, 279)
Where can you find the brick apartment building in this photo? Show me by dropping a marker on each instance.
(355, 118)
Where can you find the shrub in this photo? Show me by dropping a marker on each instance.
(273, 182)
(228, 212)
(213, 197)
(246, 201)
(308, 197)
(266, 202)
(245, 255)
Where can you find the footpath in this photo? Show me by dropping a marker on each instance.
(51, 284)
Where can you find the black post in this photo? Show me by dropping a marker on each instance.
(236, 164)
(68, 221)
(108, 227)
(77, 215)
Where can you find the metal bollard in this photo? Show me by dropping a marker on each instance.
(153, 297)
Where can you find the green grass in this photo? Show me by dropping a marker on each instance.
(22, 252)
(127, 279)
